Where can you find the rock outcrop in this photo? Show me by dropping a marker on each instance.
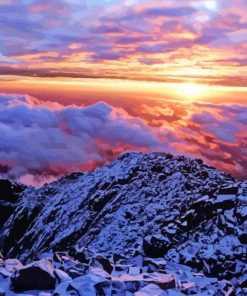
(153, 205)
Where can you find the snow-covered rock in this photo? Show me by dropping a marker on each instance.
(118, 216)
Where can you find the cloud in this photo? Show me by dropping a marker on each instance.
(169, 12)
(46, 140)
(218, 133)
(180, 33)
(42, 140)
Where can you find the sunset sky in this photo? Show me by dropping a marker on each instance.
(170, 75)
(203, 40)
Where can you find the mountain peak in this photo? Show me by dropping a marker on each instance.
(152, 204)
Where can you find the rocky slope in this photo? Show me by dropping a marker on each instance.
(154, 205)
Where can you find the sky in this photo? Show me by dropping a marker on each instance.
(160, 40)
(82, 81)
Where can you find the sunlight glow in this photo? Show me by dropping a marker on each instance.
(211, 4)
(191, 91)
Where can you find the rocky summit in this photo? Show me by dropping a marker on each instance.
(146, 224)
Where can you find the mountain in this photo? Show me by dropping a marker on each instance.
(150, 205)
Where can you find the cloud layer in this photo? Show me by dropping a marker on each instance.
(134, 39)
(40, 141)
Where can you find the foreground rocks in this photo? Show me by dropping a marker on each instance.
(135, 276)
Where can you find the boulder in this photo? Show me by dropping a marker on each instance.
(62, 276)
(38, 275)
(156, 246)
(104, 263)
(84, 285)
(155, 265)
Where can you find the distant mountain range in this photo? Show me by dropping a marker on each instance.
(144, 224)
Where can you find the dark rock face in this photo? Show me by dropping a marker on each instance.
(151, 205)
(156, 246)
(35, 276)
(10, 193)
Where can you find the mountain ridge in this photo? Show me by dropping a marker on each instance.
(156, 205)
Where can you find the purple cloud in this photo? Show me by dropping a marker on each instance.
(49, 141)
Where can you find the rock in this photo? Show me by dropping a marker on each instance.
(62, 276)
(155, 265)
(80, 254)
(5, 273)
(232, 190)
(150, 289)
(9, 190)
(38, 275)
(61, 289)
(116, 258)
(75, 269)
(11, 265)
(104, 263)
(224, 202)
(156, 246)
(85, 285)
(99, 272)
(9, 196)
(135, 261)
(243, 281)
(134, 282)
(134, 270)
(242, 213)
(120, 270)
(106, 288)
(74, 273)
(188, 288)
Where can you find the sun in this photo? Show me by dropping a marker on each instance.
(190, 91)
